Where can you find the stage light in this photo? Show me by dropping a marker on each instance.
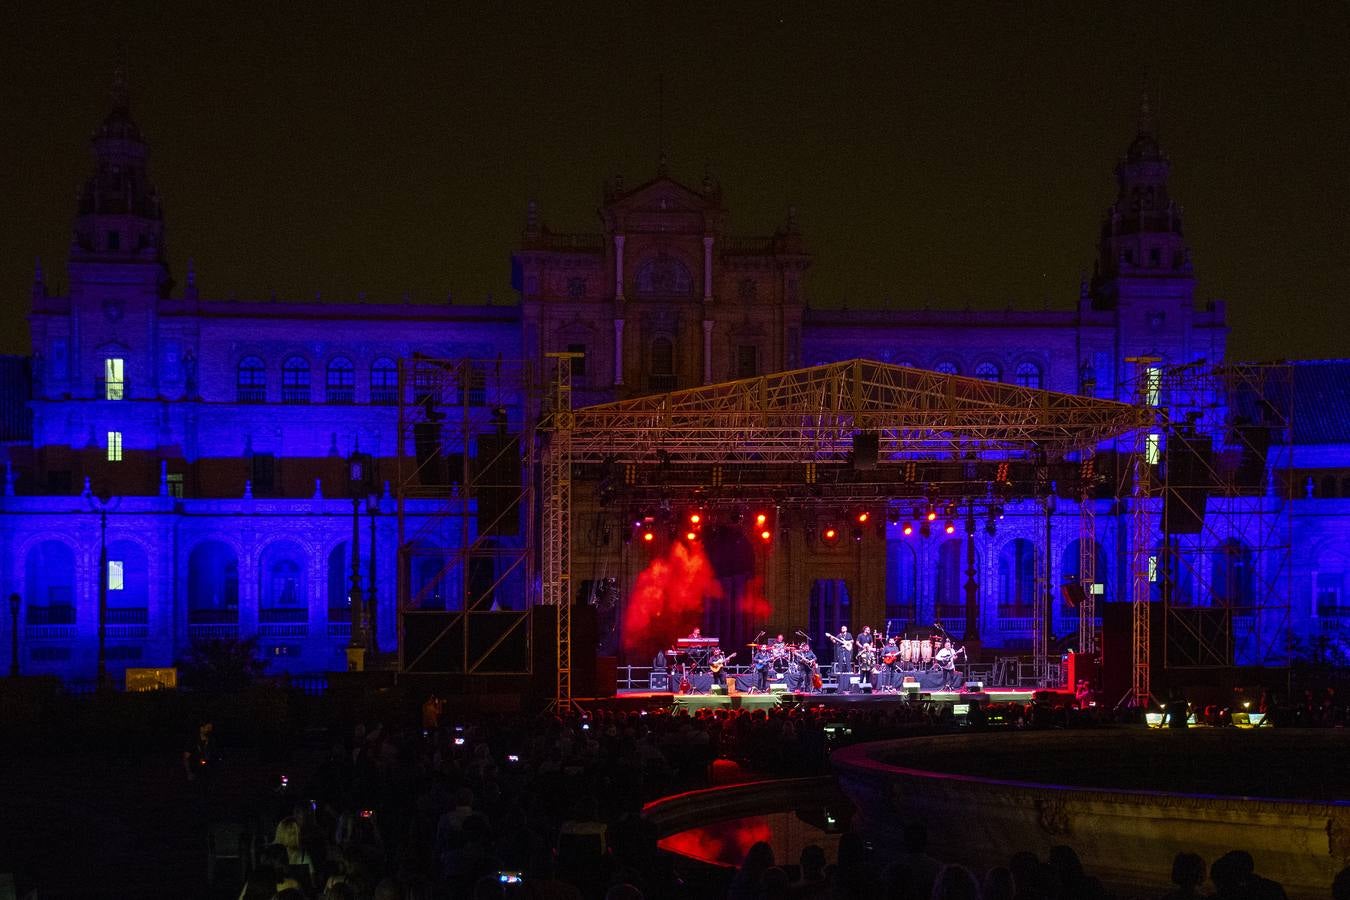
(648, 537)
(829, 535)
(695, 518)
(908, 529)
(950, 527)
(761, 519)
(931, 515)
(691, 536)
(766, 535)
(951, 510)
(863, 517)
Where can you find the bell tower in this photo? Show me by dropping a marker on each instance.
(1142, 248)
(118, 240)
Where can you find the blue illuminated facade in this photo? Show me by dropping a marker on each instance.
(215, 433)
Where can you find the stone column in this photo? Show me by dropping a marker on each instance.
(707, 268)
(707, 350)
(618, 266)
(618, 351)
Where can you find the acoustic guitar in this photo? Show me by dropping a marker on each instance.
(716, 666)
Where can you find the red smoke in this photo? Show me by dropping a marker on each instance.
(668, 600)
(754, 605)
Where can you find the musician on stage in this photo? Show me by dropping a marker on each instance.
(809, 667)
(762, 660)
(865, 639)
(843, 653)
(946, 661)
(695, 635)
(890, 665)
(717, 665)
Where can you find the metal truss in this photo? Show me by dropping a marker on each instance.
(1087, 552)
(445, 407)
(812, 415)
(556, 539)
(1227, 526)
(1136, 484)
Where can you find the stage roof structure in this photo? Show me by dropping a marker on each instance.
(813, 414)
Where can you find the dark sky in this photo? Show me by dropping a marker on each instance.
(947, 154)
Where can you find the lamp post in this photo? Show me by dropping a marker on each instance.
(101, 503)
(372, 510)
(14, 601)
(358, 475)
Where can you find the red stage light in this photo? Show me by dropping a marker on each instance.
(908, 529)
(691, 536)
(932, 515)
(765, 535)
(830, 534)
(648, 536)
(695, 518)
(761, 519)
(950, 528)
(863, 517)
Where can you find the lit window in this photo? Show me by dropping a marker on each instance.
(1152, 451)
(1153, 568)
(1153, 376)
(1098, 589)
(114, 383)
(116, 575)
(175, 480)
(114, 446)
(987, 371)
(946, 367)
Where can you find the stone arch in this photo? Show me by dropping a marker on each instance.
(1017, 578)
(49, 583)
(213, 583)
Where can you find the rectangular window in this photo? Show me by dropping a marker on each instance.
(1098, 589)
(175, 480)
(114, 446)
(263, 470)
(578, 362)
(1152, 449)
(116, 575)
(747, 361)
(1152, 569)
(1153, 383)
(1329, 588)
(114, 382)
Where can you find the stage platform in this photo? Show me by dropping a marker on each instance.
(742, 700)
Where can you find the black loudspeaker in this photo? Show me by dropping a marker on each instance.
(427, 446)
(1189, 479)
(865, 445)
(1073, 594)
(498, 484)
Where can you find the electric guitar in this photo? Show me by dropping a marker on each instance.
(847, 645)
(716, 665)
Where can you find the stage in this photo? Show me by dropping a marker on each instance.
(771, 699)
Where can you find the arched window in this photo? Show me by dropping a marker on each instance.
(902, 581)
(295, 380)
(49, 584)
(281, 591)
(384, 381)
(251, 381)
(341, 382)
(1232, 577)
(340, 583)
(987, 371)
(1029, 375)
(128, 581)
(947, 367)
(950, 599)
(213, 584)
(663, 276)
(661, 372)
(1071, 563)
(1017, 578)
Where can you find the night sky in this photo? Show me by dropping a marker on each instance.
(944, 155)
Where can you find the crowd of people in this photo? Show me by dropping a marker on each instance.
(551, 807)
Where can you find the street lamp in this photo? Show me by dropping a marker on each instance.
(14, 601)
(101, 503)
(372, 510)
(358, 480)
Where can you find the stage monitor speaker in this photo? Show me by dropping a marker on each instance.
(499, 486)
(975, 686)
(1073, 594)
(865, 446)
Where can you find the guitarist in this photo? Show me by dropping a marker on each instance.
(717, 665)
(843, 653)
(810, 667)
(890, 665)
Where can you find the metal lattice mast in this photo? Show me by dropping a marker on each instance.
(557, 518)
(1142, 563)
(1087, 554)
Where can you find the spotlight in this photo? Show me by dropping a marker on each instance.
(950, 527)
(761, 519)
(951, 510)
(829, 535)
(931, 515)
(863, 517)
(695, 518)
(766, 535)
(908, 529)
(690, 536)
(648, 537)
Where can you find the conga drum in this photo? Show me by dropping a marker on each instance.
(925, 652)
(907, 653)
